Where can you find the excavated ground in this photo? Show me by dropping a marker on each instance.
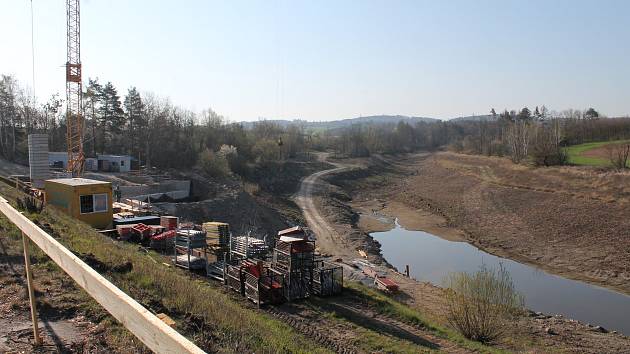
(567, 220)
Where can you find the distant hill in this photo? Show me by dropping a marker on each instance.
(342, 123)
(487, 117)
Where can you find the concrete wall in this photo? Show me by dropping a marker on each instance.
(38, 159)
(54, 156)
(177, 189)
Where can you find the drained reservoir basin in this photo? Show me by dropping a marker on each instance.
(432, 258)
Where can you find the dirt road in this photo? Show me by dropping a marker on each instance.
(328, 239)
(427, 194)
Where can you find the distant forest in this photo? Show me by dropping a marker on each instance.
(163, 135)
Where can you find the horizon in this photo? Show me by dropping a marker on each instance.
(332, 61)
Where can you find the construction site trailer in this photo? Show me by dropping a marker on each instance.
(84, 199)
(114, 163)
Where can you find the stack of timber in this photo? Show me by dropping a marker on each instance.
(327, 278)
(218, 233)
(218, 239)
(189, 246)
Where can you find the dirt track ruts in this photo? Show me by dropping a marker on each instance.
(327, 238)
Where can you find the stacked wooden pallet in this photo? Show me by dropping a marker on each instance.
(217, 233)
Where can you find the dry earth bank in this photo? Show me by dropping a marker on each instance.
(497, 206)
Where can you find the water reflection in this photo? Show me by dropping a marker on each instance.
(431, 258)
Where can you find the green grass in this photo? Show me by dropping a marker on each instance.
(203, 312)
(390, 307)
(576, 158)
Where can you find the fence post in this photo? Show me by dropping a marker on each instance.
(31, 291)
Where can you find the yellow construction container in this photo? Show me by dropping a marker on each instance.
(85, 199)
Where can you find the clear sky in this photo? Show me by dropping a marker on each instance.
(322, 60)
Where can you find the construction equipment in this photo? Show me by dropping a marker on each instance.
(74, 91)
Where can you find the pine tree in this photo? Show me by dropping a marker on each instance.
(136, 120)
(112, 119)
(92, 101)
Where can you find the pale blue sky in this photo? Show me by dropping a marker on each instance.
(322, 60)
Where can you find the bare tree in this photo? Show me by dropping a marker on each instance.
(517, 136)
(546, 149)
(618, 155)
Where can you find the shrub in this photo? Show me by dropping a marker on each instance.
(266, 150)
(618, 155)
(481, 305)
(546, 149)
(213, 164)
(549, 156)
(456, 146)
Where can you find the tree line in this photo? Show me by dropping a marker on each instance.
(161, 134)
(149, 128)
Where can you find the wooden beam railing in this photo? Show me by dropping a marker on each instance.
(149, 329)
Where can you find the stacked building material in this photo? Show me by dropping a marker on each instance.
(191, 238)
(190, 249)
(163, 241)
(295, 258)
(295, 254)
(234, 278)
(216, 270)
(262, 285)
(143, 231)
(124, 231)
(169, 222)
(218, 240)
(243, 247)
(327, 278)
(217, 233)
(386, 284)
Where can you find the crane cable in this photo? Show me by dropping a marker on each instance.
(33, 51)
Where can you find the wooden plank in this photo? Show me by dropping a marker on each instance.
(31, 292)
(154, 333)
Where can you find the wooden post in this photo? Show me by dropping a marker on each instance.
(31, 291)
(407, 270)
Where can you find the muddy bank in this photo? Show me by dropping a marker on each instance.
(569, 221)
(396, 188)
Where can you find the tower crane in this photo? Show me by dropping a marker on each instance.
(74, 91)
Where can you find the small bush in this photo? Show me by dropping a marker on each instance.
(542, 156)
(213, 164)
(619, 154)
(481, 305)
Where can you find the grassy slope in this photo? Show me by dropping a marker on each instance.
(202, 310)
(395, 309)
(576, 158)
(205, 314)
